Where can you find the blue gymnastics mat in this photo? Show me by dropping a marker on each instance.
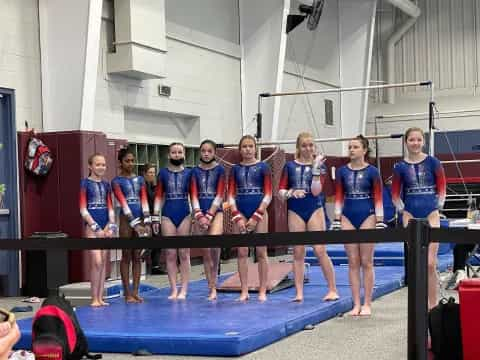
(221, 328)
(386, 254)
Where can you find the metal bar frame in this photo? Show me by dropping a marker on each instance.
(427, 83)
(464, 161)
(318, 140)
(356, 88)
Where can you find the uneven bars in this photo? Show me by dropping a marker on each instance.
(391, 116)
(357, 88)
(466, 161)
(321, 140)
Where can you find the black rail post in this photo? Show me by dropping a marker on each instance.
(418, 240)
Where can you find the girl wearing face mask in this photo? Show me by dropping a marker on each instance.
(97, 212)
(422, 181)
(135, 220)
(174, 186)
(301, 186)
(249, 194)
(359, 205)
(207, 209)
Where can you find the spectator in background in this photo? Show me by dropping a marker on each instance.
(150, 176)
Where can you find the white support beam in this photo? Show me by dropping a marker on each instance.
(263, 45)
(357, 20)
(69, 41)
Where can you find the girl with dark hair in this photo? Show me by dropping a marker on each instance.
(249, 194)
(135, 220)
(207, 209)
(174, 186)
(359, 205)
(97, 212)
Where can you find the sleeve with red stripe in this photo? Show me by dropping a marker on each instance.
(267, 185)
(193, 189)
(117, 190)
(232, 190)
(220, 188)
(339, 194)
(111, 211)
(159, 193)
(441, 182)
(83, 200)
(194, 192)
(144, 200)
(377, 192)
(397, 189)
(283, 184)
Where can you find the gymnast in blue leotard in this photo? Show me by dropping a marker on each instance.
(249, 194)
(301, 186)
(131, 192)
(207, 208)
(359, 205)
(422, 181)
(174, 186)
(96, 210)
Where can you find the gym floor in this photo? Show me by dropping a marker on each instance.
(383, 336)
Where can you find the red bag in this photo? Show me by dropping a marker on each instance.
(39, 159)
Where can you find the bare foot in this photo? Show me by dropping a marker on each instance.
(182, 296)
(243, 297)
(355, 311)
(331, 296)
(365, 311)
(262, 297)
(130, 299)
(104, 303)
(173, 295)
(96, 304)
(138, 298)
(297, 298)
(213, 294)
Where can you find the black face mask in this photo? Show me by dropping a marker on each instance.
(207, 162)
(177, 162)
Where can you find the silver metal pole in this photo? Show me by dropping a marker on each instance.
(321, 140)
(466, 161)
(391, 116)
(357, 88)
(431, 124)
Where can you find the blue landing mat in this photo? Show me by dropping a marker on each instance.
(386, 254)
(221, 328)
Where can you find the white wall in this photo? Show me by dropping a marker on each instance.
(316, 56)
(443, 46)
(203, 70)
(20, 59)
(357, 20)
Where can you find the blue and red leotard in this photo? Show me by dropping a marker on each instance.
(423, 186)
(358, 194)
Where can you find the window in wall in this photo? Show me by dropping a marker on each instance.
(328, 112)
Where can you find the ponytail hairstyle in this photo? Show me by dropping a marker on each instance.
(176, 143)
(413, 129)
(123, 152)
(247, 137)
(90, 160)
(365, 144)
(209, 142)
(302, 136)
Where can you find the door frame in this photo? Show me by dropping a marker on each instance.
(11, 147)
